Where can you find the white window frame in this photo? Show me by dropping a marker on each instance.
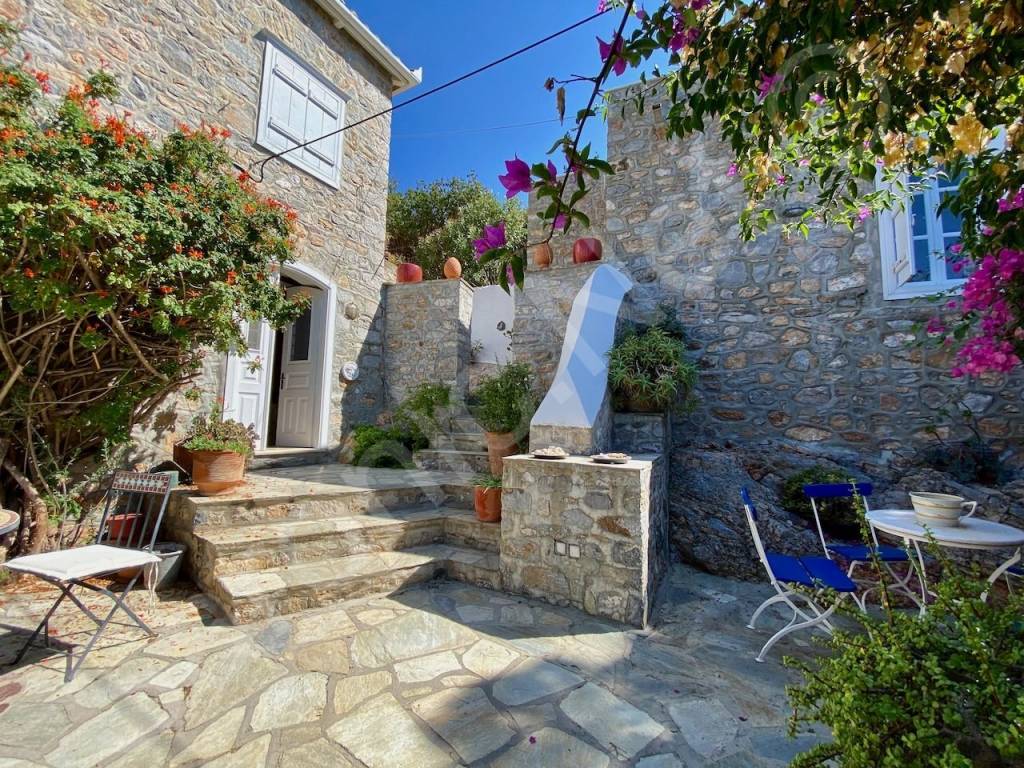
(896, 242)
(272, 141)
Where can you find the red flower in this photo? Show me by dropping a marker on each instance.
(165, 289)
(29, 273)
(195, 253)
(232, 277)
(86, 140)
(43, 78)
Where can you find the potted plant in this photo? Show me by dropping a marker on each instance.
(487, 498)
(503, 405)
(648, 372)
(219, 449)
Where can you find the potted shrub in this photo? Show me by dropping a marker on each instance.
(648, 372)
(487, 498)
(219, 449)
(503, 405)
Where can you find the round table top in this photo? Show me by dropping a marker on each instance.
(972, 533)
(9, 521)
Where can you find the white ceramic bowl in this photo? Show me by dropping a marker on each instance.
(939, 509)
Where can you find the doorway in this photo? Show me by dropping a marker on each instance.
(281, 382)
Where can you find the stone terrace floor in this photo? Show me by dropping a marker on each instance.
(443, 674)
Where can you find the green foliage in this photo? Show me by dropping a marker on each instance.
(486, 480)
(417, 416)
(215, 433)
(648, 372)
(432, 222)
(123, 258)
(839, 517)
(505, 403)
(943, 690)
(374, 446)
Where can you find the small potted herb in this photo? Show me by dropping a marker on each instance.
(219, 449)
(487, 498)
(648, 372)
(503, 405)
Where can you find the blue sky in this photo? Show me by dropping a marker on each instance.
(442, 135)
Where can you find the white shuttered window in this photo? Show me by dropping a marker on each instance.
(296, 106)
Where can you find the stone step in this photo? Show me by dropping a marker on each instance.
(318, 502)
(249, 548)
(461, 441)
(251, 597)
(275, 458)
(452, 461)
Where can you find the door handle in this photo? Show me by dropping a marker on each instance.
(284, 379)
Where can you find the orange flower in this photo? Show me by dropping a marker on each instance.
(166, 289)
(232, 276)
(29, 273)
(102, 294)
(195, 253)
(86, 140)
(178, 248)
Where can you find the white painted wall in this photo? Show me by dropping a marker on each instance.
(494, 312)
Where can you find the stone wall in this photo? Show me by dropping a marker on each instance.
(427, 336)
(614, 514)
(795, 343)
(189, 62)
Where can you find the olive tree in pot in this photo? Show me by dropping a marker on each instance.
(503, 405)
(219, 449)
(648, 372)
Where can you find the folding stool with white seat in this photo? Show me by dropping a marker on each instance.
(787, 574)
(860, 554)
(135, 505)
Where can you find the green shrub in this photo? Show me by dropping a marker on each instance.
(942, 690)
(215, 433)
(838, 516)
(417, 416)
(506, 402)
(648, 372)
(486, 480)
(381, 447)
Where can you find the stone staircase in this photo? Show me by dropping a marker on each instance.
(283, 544)
(463, 449)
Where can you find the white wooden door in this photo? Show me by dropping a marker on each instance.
(248, 374)
(298, 403)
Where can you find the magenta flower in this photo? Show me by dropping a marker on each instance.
(780, 179)
(767, 84)
(561, 221)
(552, 171)
(863, 214)
(935, 326)
(956, 247)
(698, 4)
(817, 98)
(517, 179)
(614, 50)
(602, 6)
(987, 231)
(494, 237)
(510, 274)
(641, 14)
(804, 162)
(733, 170)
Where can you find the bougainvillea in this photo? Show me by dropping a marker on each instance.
(122, 257)
(847, 106)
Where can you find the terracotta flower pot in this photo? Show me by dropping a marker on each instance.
(216, 472)
(124, 527)
(487, 503)
(453, 268)
(586, 249)
(182, 457)
(499, 445)
(410, 273)
(542, 256)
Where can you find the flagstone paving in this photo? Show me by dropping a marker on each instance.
(441, 675)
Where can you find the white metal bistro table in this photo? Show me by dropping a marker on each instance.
(972, 533)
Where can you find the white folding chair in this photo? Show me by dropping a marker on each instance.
(787, 574)
(861, 554)
(134, 510)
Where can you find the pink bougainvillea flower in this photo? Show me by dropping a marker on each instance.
(935, 326)
(733, 170)
(698, 4)
(863, 214)
(780, 179)
(552, 171)
(641, 14)
(987, 231)
(956, 247)
(561, 221)
(817, 98)
(804, 162)
(767, 84)
(612, 50)
(517, 179)
(602, 6)
(1009, 203)
(510, 274)
(494, 237)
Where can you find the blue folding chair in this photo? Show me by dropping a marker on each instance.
(860, 554)
(787, 574)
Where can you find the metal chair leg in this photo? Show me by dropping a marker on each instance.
(44, 625)
(793, 626)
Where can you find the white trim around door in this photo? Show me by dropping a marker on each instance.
(238, 374)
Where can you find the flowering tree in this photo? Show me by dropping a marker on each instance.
(847, 105)
(121, 259)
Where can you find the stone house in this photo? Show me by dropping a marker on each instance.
(803, 343)
(276, 73)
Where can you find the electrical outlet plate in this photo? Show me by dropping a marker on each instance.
(574, 551)
(560, 547)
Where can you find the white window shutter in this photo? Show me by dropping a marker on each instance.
(903, 263)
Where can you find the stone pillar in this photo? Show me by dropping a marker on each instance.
(642, 433)
(610, 520)
(427, 336)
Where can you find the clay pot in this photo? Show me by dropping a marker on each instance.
(487, 503)
(216, 472)
(453, 268)
(499, 445)
(410, 273)
(182, 456)
(542, 255)
(586, 249)
(124, 528)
